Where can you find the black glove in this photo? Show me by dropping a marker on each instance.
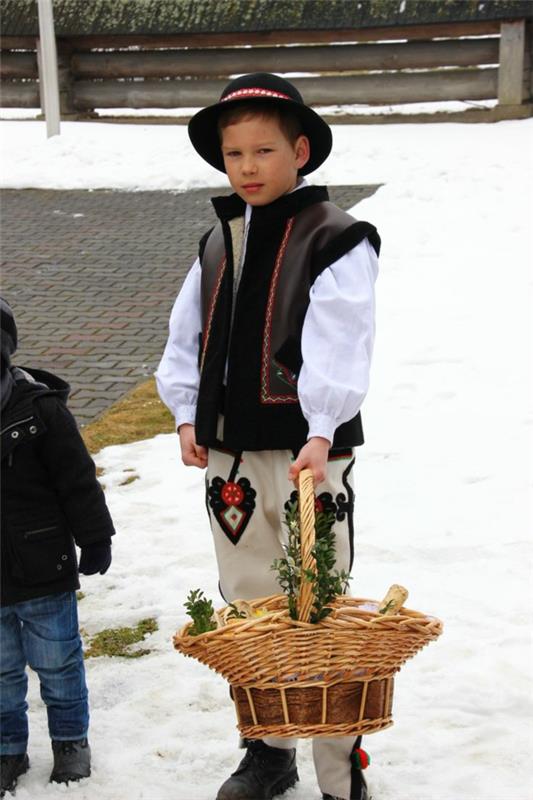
(95, 557)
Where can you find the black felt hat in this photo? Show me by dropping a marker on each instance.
(260, 87)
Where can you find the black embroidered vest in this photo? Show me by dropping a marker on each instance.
(290, 242)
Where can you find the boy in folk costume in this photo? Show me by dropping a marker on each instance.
(267, 364)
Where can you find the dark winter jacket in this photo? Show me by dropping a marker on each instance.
(50, 495)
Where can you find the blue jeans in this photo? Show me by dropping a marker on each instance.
(43, 633)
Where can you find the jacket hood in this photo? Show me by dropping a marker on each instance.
(29, 384)
(46, 383)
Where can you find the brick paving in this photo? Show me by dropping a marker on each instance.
(92, 275)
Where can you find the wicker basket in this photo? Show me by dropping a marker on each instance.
(293, 678)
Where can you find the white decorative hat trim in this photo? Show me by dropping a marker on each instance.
(251, 92)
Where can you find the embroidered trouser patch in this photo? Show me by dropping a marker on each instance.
(247, 494)
(232, 502)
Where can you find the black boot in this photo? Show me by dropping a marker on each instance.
(12, 767)
(263, 773)
(72, 760)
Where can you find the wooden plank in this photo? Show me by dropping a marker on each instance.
(18, 65)
(484, 115)
(511, 72)
(318, 58)
(495, 114)
(40, 72)
(18, 43)
(372, 89)
(286, 37)
(16, 94)
(65, 80)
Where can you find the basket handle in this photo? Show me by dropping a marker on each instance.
(307, 540)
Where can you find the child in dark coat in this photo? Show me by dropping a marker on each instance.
(51, 499)
(267, 365)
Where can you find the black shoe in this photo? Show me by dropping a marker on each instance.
(359, 789)
(72, 761)
(263, 773)
(12, 767)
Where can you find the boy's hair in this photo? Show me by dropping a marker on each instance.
(288, 121)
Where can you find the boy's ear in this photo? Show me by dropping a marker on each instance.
(302, 150)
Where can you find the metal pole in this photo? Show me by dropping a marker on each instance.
(49, 86)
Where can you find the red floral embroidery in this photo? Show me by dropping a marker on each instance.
(232, 494)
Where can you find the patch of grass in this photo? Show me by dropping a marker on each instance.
(118, 641)
(138, 415)
(129, 479)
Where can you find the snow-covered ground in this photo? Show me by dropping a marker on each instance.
(443, 482)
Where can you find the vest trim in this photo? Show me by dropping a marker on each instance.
(267, 395)
(212, 304)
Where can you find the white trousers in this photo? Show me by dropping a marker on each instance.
(246, 495)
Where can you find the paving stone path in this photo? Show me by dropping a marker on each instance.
(92, 275)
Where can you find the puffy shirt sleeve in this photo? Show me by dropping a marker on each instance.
(178, 374)
(337, 341)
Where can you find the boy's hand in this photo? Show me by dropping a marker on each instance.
(192, 454)
(314, 456)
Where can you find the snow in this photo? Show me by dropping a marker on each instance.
(442, 484)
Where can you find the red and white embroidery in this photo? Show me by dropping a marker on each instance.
(252, 92)
(212, 305)
(232, 502)
(267, 396)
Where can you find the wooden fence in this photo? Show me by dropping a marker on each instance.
(476, 61)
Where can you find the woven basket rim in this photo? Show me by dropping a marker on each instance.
(346, 610)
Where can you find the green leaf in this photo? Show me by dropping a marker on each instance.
(327, 582)
(201, 611)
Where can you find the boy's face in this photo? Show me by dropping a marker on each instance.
(260, 162)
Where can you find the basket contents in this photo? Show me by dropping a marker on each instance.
(314, 566)
(393, 600)
(313, 661)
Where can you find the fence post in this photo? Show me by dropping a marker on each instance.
(47, 62)
(529, 62)
(511, 72)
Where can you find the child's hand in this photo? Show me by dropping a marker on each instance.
(192, 454)
(314, 456)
